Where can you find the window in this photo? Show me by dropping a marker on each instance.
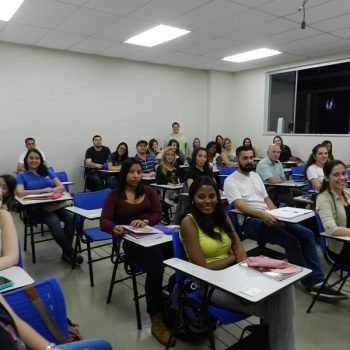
(310, 100)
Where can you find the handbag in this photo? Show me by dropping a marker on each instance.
(53, 206)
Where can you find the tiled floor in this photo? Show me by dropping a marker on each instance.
(327, 327)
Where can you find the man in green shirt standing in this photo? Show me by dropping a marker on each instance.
(181, 139)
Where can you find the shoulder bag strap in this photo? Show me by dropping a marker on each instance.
(44, 314)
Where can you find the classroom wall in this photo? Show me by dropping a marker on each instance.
(62, 99)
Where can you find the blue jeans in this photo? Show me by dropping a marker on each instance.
(63, 236)
(97, 180)
(298, 242)
(89, 344)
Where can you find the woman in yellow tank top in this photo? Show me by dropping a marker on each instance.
(211, 242)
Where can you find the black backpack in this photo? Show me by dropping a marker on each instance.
(258, 339)
(186, 312)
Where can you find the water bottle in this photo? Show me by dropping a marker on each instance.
(215, 165)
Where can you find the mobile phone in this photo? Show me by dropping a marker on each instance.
(5, 282)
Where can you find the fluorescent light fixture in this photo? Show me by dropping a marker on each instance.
(251, 55)
(156, 36)
(8, 8)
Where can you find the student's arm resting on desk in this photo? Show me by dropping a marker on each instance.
(155, 214)
(90, 164)
(189, 234)
(247, 210)
(266, 174)
(9, 241)
(28, 335)
(316, 185)
(112, 167)
(225, 160)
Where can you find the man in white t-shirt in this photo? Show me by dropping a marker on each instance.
(30, 144)
(245, 190)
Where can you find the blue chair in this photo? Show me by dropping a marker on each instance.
(298, 173)
(342, 268)
(348, 173)
(132, 271)
(223, 316)
(20, 260)
(63, 177)
(224, 172)
(88, 201)
(51, 294)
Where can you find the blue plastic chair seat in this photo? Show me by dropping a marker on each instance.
(95, 234)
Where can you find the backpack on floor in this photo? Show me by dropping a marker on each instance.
(189, 326)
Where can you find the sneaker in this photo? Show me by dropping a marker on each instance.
(327, 292)
(160, 330)
(69, 259)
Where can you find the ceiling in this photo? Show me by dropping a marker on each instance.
(218, 28)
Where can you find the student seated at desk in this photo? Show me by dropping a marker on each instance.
(179, 157)
(30, 144)
(213, 155)
(219, 140)
(8, 241)
(148, 162)
(115, 161)
(271, 171)
(228, 155)
(153, 149)
(136, 204)
(8, 187)
(95, 157)
(17, 334)
(333, 206)
(39, 179)
(199, 166)
(195, 143)
(246, 192)
(329, 146)
(248, 143)
(313, 170)
(210, 241)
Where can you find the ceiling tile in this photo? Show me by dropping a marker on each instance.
(21, 34)
(121, 50)
(333, 24)
(236, 23)
(343, 33)
(113, 6)
(292, 35)
(162, 10)
(59, 40)
(43, 13)
(74, 2)
(185, 41)
(92, 45)
(173, 57)
(250, 3)
(148, 53)
(124, 29)
(87, 22)
(209, 47)
(321, 49)
(207, 14)
(262, 30)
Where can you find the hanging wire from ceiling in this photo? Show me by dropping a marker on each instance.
(303, 10)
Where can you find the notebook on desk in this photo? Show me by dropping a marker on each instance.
(289, 212)
(147, 232)
(38, 196)
(276, 274)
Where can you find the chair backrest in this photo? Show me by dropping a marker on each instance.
(51, 294)
(178, 251)
(63, 177)
(323, 241)
(224, 172)
(20, 261)
(297, 172)
(90, 200)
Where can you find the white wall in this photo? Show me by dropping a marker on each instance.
(62, 99)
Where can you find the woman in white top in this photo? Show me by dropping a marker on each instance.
(8, 241)
(314, 166)
(228, 155)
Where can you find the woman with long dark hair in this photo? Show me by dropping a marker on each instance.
(210, 241)
(313, 170)
(133, 203)
(199, 166)
(39, 179)
(8, 188)
(329, 146)
(333, 206)
(115, 161)
(286, 153)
